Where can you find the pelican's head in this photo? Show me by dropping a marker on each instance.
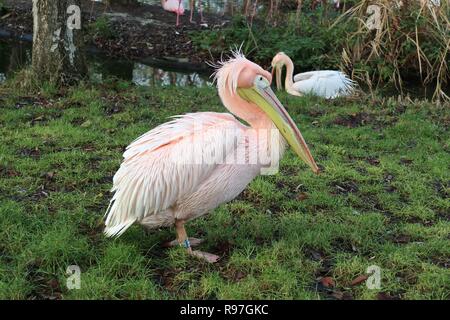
(280, 59)
(278, 62)
(243, 84)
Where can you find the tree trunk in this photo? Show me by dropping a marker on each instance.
(58, 55)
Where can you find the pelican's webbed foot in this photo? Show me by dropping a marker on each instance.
(188, 243)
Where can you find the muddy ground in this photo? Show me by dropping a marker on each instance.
(136, 31)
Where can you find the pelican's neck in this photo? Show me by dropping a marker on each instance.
(247, 111)
(255, 117)
(288, 83)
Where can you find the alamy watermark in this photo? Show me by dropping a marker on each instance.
(74, 279)
(374, 280)
(375, 12)
(73, 22)
(252, 147)
(74, 19)
(374, 20)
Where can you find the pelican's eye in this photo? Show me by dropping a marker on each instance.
(261, 82)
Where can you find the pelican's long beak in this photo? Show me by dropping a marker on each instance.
(263, 96)
(276, 70)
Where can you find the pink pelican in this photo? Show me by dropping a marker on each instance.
(159, 182)
(175, 6)
(323, 83)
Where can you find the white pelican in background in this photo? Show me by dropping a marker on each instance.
(164, 179)
(324, 83)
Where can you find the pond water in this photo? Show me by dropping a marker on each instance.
(15, 55)
(209, 6)
(215, 6)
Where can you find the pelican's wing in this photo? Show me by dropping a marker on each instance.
(324, 83)
(166, 163)
(304, 76)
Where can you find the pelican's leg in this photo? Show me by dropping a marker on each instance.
(278, 79)
(193, 242)
(183, 240)
(201, 11)
(191, 6)
(178, 13)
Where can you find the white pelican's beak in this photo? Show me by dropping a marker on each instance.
(276, 70)
(262, 95)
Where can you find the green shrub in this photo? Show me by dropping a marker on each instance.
(102, 27)
(310, 46)
(2, 6)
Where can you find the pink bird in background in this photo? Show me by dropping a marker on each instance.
(185, 168)
(175, 6)
(200, 10)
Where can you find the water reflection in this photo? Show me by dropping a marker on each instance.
(229, 7)
(15, 55)
(144, 75)
(209, 6)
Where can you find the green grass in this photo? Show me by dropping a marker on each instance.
(383, 199)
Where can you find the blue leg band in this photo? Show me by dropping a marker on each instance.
(186, 244)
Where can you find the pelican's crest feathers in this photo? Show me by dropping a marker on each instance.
(227, 72)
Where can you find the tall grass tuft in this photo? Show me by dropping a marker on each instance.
(396, 41)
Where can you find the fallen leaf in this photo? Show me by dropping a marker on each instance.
(6, 16)
(386, 296)
(302, 196)
(338, 295)
(86, 124)
(316, 255)
(327, 282)
(53, 283)
(406, 161)
(40, 118)
(239, 276)
(360, 279)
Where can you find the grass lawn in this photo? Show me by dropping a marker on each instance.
(383, 199)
